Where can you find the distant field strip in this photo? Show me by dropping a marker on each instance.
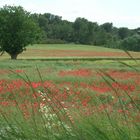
(78, 59)
(72, 52)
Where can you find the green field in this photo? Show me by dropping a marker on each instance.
(70, 47)
(74, 100)
(41, 51)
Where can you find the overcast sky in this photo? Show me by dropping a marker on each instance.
(122, 13)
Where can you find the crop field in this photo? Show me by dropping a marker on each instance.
(75, 100)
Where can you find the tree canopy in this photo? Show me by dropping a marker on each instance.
(17, 30)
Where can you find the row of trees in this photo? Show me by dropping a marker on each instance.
(18, 28)
(82, 31)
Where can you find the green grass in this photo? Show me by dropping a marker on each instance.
(70, 47)
(63, 51)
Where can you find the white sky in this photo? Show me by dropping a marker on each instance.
(122, 13)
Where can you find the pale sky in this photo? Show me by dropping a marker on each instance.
(122, 13)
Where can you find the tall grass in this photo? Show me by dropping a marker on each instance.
(40, 116)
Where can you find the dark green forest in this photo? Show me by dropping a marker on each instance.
(82, 31)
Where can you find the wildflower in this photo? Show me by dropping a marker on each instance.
(112, 97)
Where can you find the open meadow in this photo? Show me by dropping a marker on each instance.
(63, 51)
(45, 97)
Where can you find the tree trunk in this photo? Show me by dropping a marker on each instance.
(14, 56)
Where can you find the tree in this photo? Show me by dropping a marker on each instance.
(123, 32)
(17, 30)
(80, 30)
(108, 27)
(84, 31)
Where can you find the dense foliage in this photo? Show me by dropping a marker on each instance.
(82, 31)
(131, 43)
(17, 30)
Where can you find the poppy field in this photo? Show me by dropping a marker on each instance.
(75, 100)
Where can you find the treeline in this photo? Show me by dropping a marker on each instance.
(82, 31)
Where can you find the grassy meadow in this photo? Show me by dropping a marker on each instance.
(74, 100)
(63, 51)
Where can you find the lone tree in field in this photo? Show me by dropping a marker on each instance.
(17, 30)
